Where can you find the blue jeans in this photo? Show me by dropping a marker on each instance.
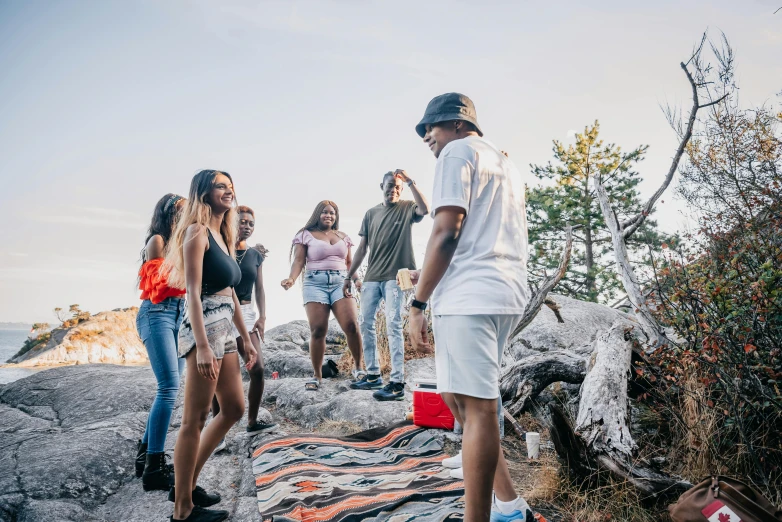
(323, 286)
(158, 327)
(371, 294)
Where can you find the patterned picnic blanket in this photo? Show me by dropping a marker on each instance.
(390, 473)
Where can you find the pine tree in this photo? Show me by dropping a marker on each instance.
(567, 198)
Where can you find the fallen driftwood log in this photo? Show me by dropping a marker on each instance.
(601, 440)
(524, 381)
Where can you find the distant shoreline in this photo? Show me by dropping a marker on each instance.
(16, 326)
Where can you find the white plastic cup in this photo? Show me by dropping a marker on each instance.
(533, 444)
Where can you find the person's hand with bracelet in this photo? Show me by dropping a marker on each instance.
(418, 327)
(346, 287)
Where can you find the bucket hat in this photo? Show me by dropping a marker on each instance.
(448, 107)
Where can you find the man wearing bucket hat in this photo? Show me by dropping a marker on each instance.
(475, 272)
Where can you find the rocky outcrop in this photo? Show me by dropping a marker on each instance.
(583, 322)
(68, 435)
(335, 401)
(68, 441)
(111, 338)
(106, 338)
(287, 352)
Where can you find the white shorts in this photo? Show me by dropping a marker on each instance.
(249, 315)
(468, 352)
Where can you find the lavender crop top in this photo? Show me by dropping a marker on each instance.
(321, 255)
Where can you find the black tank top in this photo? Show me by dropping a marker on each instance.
(220, 270)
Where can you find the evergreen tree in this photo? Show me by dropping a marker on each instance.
(567, 197)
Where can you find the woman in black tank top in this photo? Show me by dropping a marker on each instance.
(201, 259)
(250, 261)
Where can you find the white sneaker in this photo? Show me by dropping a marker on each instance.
(220, 447)
(519, 511)
(453, 462)
(457, 473)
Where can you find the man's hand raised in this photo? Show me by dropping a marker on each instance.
(402, 175)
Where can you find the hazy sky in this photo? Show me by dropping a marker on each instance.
(107, 105)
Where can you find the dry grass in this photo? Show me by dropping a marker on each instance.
(84, 335)
(345, 363)
(338, 428)
(692, 442)
(612, 500)
(545, 484)
(702, 422)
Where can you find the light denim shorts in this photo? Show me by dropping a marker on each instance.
(323, 286)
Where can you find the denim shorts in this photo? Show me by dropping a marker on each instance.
(323, 286)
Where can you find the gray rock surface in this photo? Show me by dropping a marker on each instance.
(286, 349)
(583, 322)
(68, 435)
(68, 443)
(69, 438)
(335, 401)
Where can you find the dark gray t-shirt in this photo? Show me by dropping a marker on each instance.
(388, 230)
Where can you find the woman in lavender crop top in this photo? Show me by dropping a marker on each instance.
(323, 253)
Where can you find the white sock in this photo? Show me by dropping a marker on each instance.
(506, 508)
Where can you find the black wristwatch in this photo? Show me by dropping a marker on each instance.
(418, 304)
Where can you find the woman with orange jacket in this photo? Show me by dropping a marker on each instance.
(158, 322)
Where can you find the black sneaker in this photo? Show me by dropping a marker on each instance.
(367, 382)
(260, 427)
(393, 391)
(200, 514)
(200, 497)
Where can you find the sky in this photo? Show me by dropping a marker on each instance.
(106, 106)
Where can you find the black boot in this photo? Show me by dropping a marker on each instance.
(200, 497)
(141, 458)
(157, 474)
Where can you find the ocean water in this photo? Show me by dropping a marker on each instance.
(10, 343)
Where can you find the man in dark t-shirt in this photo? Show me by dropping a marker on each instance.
(386, 232)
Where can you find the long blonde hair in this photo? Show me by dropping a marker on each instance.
(197, 211)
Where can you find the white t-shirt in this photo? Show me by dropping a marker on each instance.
(488, 273)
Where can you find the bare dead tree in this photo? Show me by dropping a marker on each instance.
(706, 91)
(600, 439)
(540, 296)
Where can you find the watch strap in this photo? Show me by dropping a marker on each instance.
(421, 305)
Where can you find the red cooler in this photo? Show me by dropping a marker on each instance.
(429, 409)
